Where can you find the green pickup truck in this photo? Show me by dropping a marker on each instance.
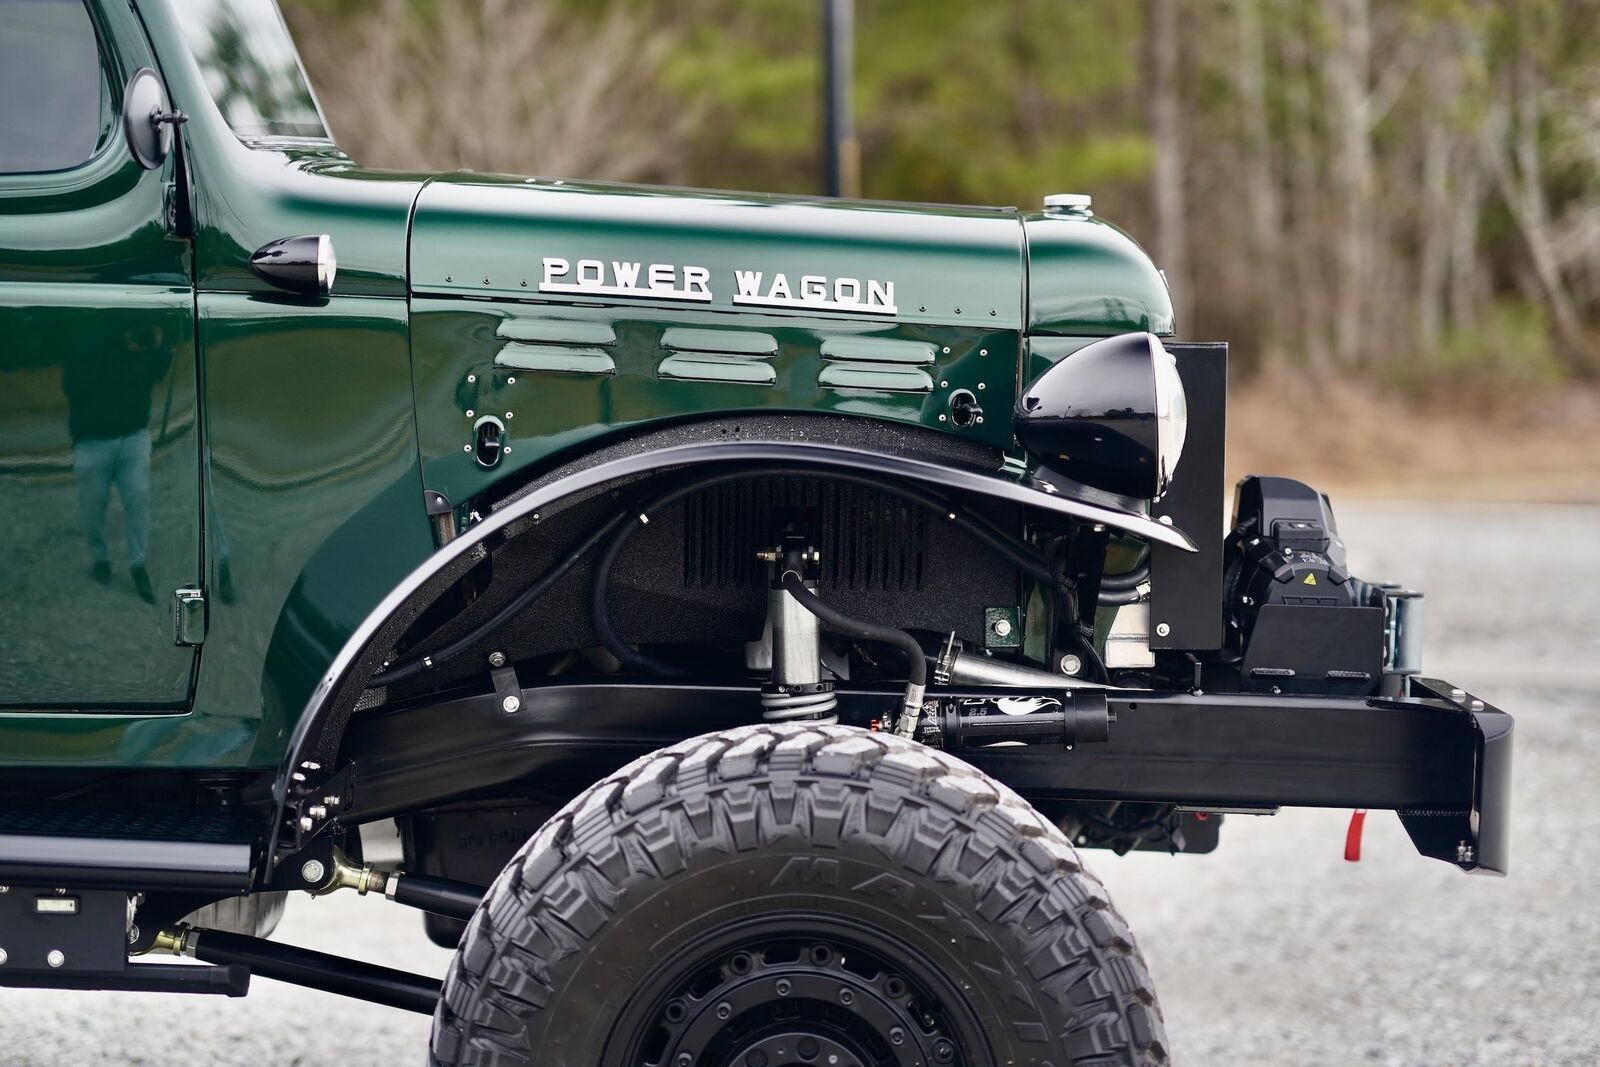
(747, 606)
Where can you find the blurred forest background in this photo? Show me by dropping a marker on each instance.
(1391, 208)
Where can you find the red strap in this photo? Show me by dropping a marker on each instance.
(1352, 836)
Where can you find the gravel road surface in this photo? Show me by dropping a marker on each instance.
(1273, 951)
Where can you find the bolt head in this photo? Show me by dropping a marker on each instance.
(56, 957)
(497, 659)
(3, 957)
(1162, 629)
(312, 871)
(306, 825)
(1071, 664)
(1001, 627)
(133, 935)
(511, 704)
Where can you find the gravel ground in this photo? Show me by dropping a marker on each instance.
(1273, 951)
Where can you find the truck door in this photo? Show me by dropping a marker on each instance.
(99, 461)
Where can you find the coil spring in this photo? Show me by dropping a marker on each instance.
(792, 707)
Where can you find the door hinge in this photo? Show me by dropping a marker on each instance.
(188, 616)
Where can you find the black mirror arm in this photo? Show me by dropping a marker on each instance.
(180, 220)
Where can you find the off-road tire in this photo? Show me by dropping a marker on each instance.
(822, 823)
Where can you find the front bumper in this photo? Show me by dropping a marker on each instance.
(1440, 758)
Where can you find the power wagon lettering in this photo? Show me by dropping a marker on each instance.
(670, 281)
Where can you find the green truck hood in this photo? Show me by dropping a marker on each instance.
(496, 237)
(1088, 278)
(1058, 273)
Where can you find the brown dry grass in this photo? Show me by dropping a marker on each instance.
(1347, 439)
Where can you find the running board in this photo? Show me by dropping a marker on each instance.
(141, 978)
(188, 850)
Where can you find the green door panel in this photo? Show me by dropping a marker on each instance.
(551, 408)
(314, 512)
(99, 450)
(98, 463)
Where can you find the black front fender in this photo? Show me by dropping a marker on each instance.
(320, 725)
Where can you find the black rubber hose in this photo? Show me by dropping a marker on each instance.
(1139, 572)
(509, 611)
(1111, 598)
(841, 623)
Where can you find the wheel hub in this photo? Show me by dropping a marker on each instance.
(797, 1003)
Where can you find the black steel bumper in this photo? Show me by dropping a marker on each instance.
(1441, 758)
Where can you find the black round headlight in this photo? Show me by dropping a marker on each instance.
(1111, 415)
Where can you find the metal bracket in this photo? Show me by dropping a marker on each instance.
(1002, 628)
(507, 686)
(314, 802)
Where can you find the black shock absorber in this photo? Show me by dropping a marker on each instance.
(1075, 717)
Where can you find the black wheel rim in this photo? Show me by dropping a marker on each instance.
(798, 991)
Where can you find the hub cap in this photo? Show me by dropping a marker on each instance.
(796, 1001)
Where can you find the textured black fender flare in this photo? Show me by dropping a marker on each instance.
(307, 737)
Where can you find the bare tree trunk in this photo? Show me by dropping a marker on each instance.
(1434, 217)
(1305, 248)
(1260, 181)
(1166, 127)
(1519, 174)
(1347, 70)
(1468, 287)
